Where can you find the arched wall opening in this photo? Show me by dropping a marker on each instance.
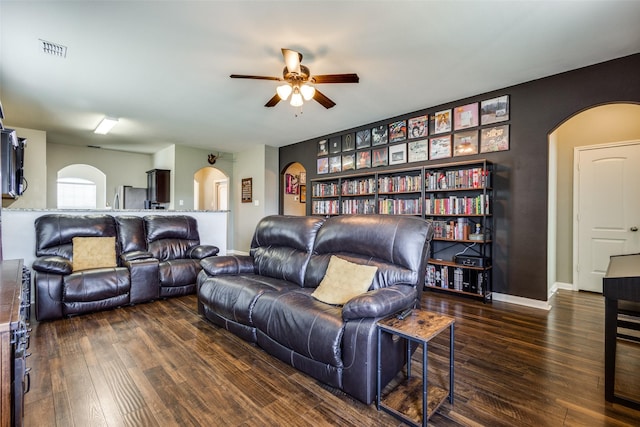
(87, 173)
(598, 125)
(294, 190)
(210, 190)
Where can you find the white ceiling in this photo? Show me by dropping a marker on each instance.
(163, 67)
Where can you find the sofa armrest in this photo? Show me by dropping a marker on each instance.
(230, 265)
(202, 251)
(53, 264)
(135, 255)
(380, 302)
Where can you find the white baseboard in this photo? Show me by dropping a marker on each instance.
(559, 285)
(543, 305)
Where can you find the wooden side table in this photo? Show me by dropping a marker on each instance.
(420, 327)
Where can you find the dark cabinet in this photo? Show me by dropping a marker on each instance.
(158, 183)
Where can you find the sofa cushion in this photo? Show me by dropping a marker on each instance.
(178, 272)
(281, 246)
(344, 280)
(55, 232)
(95, 285)
(93, 252)
(301, 323)
(233, 297)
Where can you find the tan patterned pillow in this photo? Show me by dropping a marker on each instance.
(344, 280)
(93, 252)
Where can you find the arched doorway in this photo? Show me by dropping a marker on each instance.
(295, 190)
(598, 125)
(210, 190)
(81, 186)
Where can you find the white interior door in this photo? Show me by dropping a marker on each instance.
(607, 207)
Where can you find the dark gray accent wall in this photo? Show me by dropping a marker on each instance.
(521, 174)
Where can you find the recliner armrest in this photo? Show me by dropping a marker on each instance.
(380, 302)
(202, 251)
(230, 264)
(53, 264)
(135, 255)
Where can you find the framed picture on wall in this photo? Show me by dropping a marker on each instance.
(440, 122)
(303, 177)
(418, 127)
(363, 138)
(363, 159)
(323, 147)
(247, 190)
(418, 151)
(465, 143)
(291, 184)
(335, 164)
(348, 162)
(440, 147)
(465, 116)
(335, 145)
(494, 110)
(323, 166)
(303, 193)
(379, 157)
(379, 135)
(398, 131)
(348, 142)
(397, 154)
(494, 139)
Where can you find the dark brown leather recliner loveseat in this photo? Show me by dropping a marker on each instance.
(154, 256)
(265, 297)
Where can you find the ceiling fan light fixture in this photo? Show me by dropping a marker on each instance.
(307, 91)
(296, 98)
(284, 91)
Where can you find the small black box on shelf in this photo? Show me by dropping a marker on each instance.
(470, 261)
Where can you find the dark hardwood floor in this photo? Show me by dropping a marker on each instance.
(161, 364)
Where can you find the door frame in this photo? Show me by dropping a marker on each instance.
(576, 194)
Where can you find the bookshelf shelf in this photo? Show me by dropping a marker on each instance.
(456, 196)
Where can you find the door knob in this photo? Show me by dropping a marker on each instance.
(634, 229)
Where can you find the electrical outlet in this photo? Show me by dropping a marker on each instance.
(181, 202)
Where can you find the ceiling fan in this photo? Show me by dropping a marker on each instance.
(299, 83)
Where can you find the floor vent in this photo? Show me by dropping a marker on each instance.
(54, 49)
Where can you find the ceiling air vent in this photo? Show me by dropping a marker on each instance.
(53, 49)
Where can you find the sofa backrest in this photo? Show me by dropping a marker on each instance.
(131, 235)
(171, 236)
(397, 245)
(55, 232)
(282, 244)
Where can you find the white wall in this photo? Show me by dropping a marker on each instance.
(121, 168)
(261, 164)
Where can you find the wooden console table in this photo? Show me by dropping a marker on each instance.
(621, 283)
(420, 327)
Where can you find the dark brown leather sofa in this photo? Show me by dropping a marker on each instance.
(265, 297)
(156, 256)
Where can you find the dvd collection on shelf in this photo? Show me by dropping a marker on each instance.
(456, 197)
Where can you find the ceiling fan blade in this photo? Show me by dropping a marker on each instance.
(292, 60)
(323, 100)
(335, 78)
(244, 76)
(273, 101)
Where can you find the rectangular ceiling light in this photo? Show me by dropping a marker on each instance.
(106, 125)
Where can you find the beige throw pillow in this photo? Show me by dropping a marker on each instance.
(93, 252)
(344, 280)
